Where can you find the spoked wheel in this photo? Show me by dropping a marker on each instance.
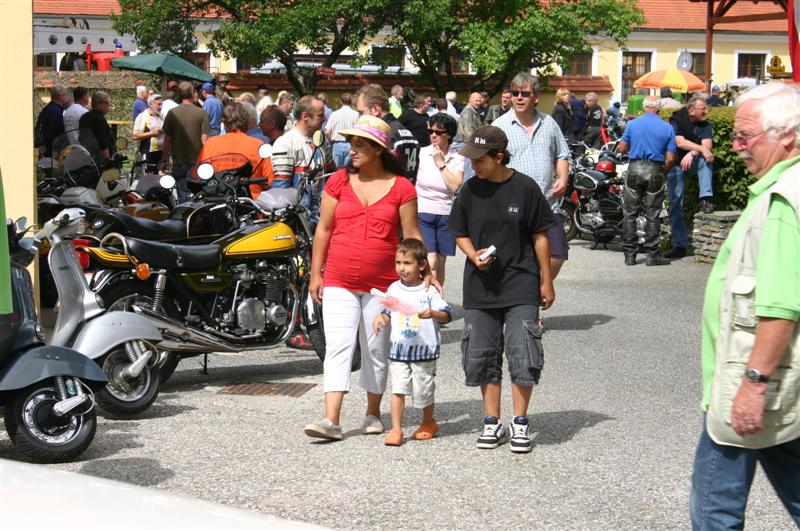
(40, 434)
(127, 396)
(121, 296)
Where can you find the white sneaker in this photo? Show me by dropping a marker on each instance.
(324, 429)
(494, 434)
(520, 440)
(372, 425)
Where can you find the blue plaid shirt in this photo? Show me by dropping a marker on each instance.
(535, 156)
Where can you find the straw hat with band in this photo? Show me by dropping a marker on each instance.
(485, 139)
(371, 128)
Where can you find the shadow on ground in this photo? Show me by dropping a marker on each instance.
(551, 427)
(142, 471)
(585, 321)
(189, 375)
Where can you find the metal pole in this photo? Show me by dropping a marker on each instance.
(709, 41)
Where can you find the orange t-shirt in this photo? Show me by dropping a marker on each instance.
(238, 143)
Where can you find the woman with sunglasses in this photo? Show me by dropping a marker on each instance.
(440, 175)
(362, 208)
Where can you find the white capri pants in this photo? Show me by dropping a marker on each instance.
(347, 313)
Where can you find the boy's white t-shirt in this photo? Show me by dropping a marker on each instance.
(412, 338)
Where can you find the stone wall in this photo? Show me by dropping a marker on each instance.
(710, 230)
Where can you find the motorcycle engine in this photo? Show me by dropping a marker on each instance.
(260, 304)
(592, 216)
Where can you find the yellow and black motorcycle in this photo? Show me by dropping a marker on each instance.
(247, 290)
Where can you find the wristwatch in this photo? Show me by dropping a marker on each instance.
(442, 167)
(755, 376)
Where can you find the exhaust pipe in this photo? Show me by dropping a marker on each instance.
(178, 337)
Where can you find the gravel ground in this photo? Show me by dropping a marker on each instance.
(614, 424)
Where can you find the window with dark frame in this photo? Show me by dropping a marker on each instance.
(45, 62)
(699, 65)
(199, 59)
(751, 65)
(243, 65)
(580, 65)
(634, 66)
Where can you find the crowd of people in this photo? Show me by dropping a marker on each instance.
(401, 201)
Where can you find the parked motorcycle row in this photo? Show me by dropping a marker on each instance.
(593, 203)
(221, 273)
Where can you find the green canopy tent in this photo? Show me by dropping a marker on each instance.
(5, 264)
(164, 64)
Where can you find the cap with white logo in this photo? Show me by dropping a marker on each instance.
(485, 138)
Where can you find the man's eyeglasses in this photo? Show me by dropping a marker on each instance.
(745, 139)
(523, 93)
(439, 132)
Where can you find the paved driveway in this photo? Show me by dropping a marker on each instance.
(614, 424)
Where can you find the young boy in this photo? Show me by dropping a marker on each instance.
(504, 209)
(415, 313)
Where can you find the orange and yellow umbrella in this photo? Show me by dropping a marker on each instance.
(680, 80)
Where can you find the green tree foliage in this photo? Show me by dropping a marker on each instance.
(502, 37)
(258, 30)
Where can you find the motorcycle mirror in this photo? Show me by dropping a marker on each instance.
(205, 171)
(121, 143)
(167, 181)
(265, 151)
(317, 139)
(111, 174)
(20, 224)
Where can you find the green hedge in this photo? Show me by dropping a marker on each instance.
(731, 177)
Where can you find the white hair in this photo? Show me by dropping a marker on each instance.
(651, 102)
(779, 107)
(451, 96)
(140, 90)
(251, 111)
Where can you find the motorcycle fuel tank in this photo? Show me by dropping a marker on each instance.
(258, 240)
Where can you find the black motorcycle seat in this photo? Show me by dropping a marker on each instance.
(169, 256)
(147, 229)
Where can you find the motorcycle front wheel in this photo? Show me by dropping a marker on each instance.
(316, 333)
(570, 229)
(41, 435)
(126, 397)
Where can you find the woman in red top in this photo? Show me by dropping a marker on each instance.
(362, 208)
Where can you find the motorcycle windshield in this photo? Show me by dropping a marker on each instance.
(77, 157)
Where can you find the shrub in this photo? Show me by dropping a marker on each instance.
(731, 178)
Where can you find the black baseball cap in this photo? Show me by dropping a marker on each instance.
(483, 140)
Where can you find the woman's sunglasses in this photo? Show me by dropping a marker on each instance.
(439, 132)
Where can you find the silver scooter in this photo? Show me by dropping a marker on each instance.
(122, 343)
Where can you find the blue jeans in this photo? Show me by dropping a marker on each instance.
(723, 475)
(341, 154)
(675, 184)
(180, 171)
(468, 171)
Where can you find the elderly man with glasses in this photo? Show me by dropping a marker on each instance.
(539, 150)
(750, 344)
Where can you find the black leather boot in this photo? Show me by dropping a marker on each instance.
(630, 259)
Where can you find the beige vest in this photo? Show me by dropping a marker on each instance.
(737, 334)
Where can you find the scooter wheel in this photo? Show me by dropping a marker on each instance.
(42, 436)
(125, 398)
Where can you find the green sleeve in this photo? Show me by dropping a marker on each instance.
(778, 270)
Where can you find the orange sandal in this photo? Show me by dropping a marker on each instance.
(426, 430)
(394, 438)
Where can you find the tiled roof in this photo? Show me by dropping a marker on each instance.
(691, 15)
(660, 14)
(99, 8)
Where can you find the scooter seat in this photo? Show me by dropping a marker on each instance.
(169, 256)
(147, 229)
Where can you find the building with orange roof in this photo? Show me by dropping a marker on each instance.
(674, 31)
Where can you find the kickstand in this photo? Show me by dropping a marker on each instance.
(205, 364)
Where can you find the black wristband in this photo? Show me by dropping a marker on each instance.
(442, 167)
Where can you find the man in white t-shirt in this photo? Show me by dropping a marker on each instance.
(343, 118)
(72, 116)
(147, 130)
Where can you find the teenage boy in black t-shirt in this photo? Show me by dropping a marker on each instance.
(506, 209)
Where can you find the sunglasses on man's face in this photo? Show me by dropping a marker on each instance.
(523, 93)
